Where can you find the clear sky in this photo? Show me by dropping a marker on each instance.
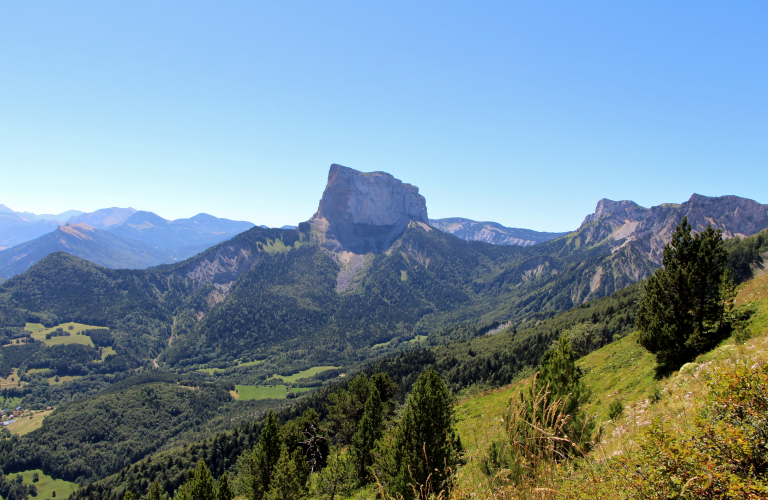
(523, 113)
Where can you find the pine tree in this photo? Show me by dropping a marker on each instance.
(682, 312)
(346, 407)
(558, 370)
(285, 484)
(201, 485)
(156, 492)
(337, 479)
(128, 496)
(183, 492)
(368, 432)
(426, 448)
(255, 469)
(224, 492)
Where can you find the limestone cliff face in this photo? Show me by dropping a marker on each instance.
(365, 212)
(625, 223)
(634, 237)
(616, 211)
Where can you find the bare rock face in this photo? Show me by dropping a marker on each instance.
(648, 230)
(619, 211)
(366, 212)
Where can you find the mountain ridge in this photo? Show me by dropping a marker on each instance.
(492, 232)
(271, 291)
(92, 244)
(155, 239)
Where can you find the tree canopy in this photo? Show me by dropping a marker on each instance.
(682, 312)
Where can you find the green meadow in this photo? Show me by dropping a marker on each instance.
(248, 392)
(74, 329)
(290, 379)
(46, 485)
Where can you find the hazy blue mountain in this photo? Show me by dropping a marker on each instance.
(182, 237)
(62, 217)
(86, 242)
(171, 240)
(16, 229)
(491, 232)
(105, 217)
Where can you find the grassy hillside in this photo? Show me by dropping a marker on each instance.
(622, 371)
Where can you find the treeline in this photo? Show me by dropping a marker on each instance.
(359, 440)
(16, 489)
(494, 360)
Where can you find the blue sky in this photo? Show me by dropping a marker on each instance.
(524, 113)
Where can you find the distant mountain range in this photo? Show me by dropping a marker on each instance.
(84, 241)
(20, 227)
(491, 232)
(111, 237)
(357, 275)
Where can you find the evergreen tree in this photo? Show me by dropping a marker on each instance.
(337, 479)
(368, 432)
(224, 492)
(255, 468)
(558, 370)
(156, 492)
(285, 484)
(682, 312)
(183, 493)
(346, 407)
(128, 496)
(426, 449)
(201, 485)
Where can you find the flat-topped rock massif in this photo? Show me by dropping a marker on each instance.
(366, 212)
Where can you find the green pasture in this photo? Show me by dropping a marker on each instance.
(248, 392)
(289, 379)
(46, 484)
(212, 371)
(418, 338)
(39, 332)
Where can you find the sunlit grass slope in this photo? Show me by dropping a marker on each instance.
(621, 371)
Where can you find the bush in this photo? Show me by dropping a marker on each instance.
(616, 410)
(725, 455)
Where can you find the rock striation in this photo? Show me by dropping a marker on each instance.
(366, 212)
(625, 223)
(617, 210)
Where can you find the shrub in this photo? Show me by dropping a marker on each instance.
(616, 410)
(724, 455)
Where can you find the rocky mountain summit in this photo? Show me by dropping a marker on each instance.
(491, 232)
(616, 211)
(625, 223)
(366, 212)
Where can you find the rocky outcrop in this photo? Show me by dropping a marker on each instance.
(491, 232)
(219, 266)
(632, 238)
(365, 212)
(616, 211)
(648, 230)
